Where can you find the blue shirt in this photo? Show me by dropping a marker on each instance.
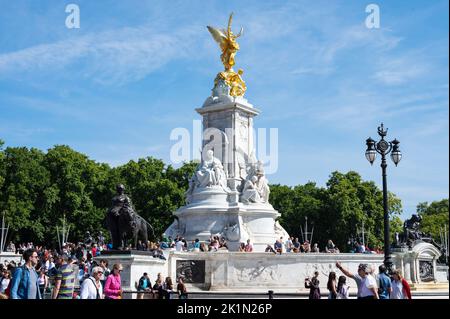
(21, 283)
(384, 283)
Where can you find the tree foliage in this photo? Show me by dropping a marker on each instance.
(337, 211)
(434, 217)
(38, 190)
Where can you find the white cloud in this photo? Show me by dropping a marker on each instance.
(112, 57)
(314, 71)
(395, 71)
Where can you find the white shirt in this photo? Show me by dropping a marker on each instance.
(364, 285)
(49, 265)
(288, 244)
(397, 290)
(344, 293)
(88, 289)
(179, 245)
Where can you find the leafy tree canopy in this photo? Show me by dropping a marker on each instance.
(434, 217)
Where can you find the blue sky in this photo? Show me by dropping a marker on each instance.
(134, 70)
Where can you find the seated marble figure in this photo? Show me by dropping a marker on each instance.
(209, 173)
(250, 192)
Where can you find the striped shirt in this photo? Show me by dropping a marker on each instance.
(66, 275)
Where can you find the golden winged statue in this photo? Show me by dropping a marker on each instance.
(227, 42)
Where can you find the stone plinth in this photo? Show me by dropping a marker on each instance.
(236, 223)
(224, 271)
(412, 262)
(9, 256)
(238, 271)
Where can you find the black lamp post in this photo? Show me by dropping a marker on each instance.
(384, 147)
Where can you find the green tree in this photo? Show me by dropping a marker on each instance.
(344, 208)
(295, 204)
(338, 211)
(2, 164)
(25, 180)
(77, 190)
(434, 217)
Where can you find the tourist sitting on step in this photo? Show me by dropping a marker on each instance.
(248, 247)
(223, 244)
(214, 245)
(315, 248)
(306, 246)
(296, 246)
(289, 244)
(269, 249)
(331, 247)
(360, 248)
(196, 245)
(179, 244)
(158, 253)
(278, 246)
(204, 247)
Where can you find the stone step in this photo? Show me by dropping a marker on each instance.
(430, 286)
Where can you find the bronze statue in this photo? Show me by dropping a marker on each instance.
(412, 233)
(124, 223)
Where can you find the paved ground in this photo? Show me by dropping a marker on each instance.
(415, 295)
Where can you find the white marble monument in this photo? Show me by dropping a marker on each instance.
(229, 193)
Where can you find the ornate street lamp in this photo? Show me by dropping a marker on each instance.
(383, 148)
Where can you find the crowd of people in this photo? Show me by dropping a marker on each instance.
(369, 285)
(72, 272)
(293, 245)
(70, 278)
(44, 272)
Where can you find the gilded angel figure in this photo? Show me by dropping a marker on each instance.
(229, 47)
(227, 41)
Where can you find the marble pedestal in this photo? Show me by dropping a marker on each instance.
(236, 222)
(225, 271)
(9, 256)
(417, 264)
(260, 272)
